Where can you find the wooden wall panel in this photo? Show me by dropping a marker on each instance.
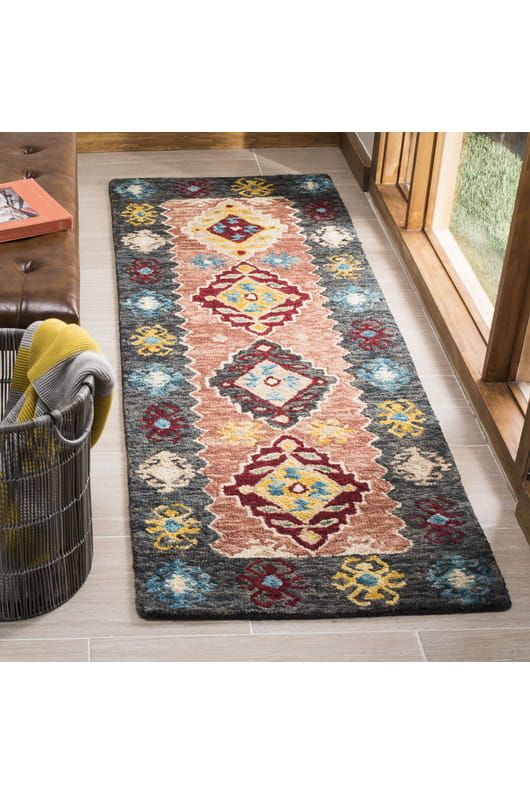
(153, 141)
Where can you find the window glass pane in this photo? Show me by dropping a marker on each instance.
(487, 180)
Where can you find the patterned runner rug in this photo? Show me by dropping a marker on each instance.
(284, 460)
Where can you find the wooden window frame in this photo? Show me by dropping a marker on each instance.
(446, 159)
(484, 361)
(421, 181)
(406, 165)
(512, 309)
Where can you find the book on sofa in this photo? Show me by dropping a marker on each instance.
(27, 210)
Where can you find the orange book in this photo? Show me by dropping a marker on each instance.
(27, 210)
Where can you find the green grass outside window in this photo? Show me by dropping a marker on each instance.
(487, 182)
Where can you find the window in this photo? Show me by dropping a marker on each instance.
(457, 206)
(488, 175)
(472, 207)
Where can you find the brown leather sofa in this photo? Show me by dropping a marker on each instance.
(39, 276)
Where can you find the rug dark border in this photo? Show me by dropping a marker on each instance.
(346, 611)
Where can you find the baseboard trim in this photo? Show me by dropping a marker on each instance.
(156, 141)
(522, 511)
(357, 158)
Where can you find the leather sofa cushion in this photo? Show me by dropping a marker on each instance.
(39, 276)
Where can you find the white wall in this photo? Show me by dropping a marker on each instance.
(367, 140)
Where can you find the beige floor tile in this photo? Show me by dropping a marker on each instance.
(303, 160)
(388, 269)
(102, 167)
(427, 353)
(397, 646)
(371, 235)
(400, 295)
(355, 200)
(459, 423)
(99, 273)
(445, 388)
(104, 606)
(508, 541)
(108, 526)
(402, 301)
(486, 487)
(110, 500)
(111, 440)
(95, 226)
(98, 290)
(106, 332)
(477, 646)
(75, 650)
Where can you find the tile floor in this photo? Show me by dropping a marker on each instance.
(100, 622)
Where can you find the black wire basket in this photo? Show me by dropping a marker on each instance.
(45, 507)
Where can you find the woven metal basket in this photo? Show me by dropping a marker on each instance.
(45, 509)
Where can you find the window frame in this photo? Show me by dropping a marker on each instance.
(486, 359)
